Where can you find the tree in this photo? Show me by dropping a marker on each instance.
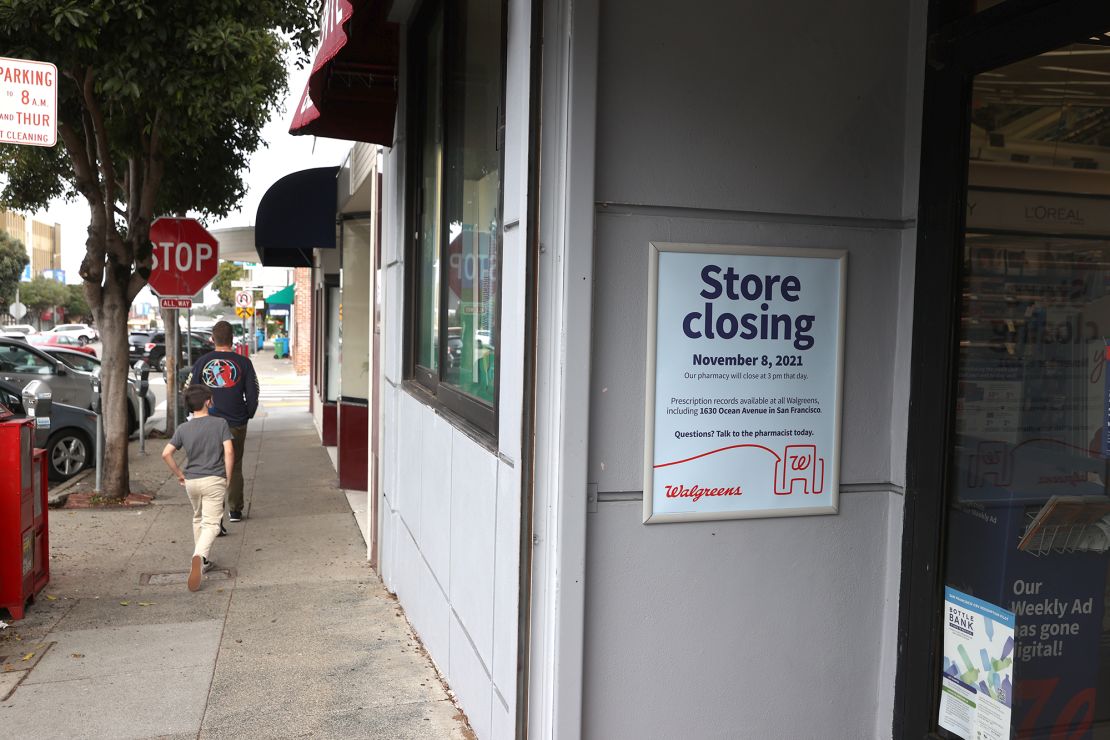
(13, 258)
(76, 305)
(42, 293)
(159, 106)
(222, 282)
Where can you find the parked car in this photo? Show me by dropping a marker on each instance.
(21, 329)
(154, 351)
(136, 341)
(68, 437)
(20, 363)
(83, 333)
(61, 340)
(82, 362)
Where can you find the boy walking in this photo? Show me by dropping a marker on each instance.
(207, 443)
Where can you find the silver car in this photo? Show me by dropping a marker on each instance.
(20, 363)
(67, 437)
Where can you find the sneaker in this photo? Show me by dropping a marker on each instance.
(207, 565)
(223, 530)
(235, 516)
(195, 569)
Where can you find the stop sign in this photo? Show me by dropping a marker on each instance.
(186, 257)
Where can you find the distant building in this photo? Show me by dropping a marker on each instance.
(43, 241)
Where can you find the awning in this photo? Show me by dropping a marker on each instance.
(295, 216)
(352, 90)
(282, 297)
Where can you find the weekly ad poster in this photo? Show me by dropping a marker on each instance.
(977, 672)
(745, 349)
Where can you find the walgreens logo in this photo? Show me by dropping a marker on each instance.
(696, 491)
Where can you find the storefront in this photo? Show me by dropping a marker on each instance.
(908, 202)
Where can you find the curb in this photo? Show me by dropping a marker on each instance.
(59, 494)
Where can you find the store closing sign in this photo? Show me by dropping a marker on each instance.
(742, 410)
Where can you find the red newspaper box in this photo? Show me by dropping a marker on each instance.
(41, 516)
(24, 549)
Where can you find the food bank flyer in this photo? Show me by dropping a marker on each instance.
(742, 410)
(977, 672)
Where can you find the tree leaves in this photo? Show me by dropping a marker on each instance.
(42, 293)
(13, 258)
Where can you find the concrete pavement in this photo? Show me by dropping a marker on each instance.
(292, 635)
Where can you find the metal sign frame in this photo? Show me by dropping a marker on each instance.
(830, 454)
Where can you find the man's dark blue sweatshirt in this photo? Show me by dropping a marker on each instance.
(234, 385)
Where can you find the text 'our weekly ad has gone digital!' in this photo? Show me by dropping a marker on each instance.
(745, 351)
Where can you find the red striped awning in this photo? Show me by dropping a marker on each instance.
(352, 90)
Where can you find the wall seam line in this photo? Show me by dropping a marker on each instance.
(613, 208)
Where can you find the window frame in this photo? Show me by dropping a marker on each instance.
(429, 384)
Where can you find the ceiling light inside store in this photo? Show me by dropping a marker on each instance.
(1077, 71)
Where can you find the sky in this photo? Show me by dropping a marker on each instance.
(281, 155)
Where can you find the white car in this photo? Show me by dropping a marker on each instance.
(25, 330)
(83, 333)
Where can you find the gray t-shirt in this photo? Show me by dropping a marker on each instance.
(203, 438)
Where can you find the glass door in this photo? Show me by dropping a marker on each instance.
(1025, 624)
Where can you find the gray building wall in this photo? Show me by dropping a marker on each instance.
(765, 124)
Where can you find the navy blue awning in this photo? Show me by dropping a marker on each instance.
(295, 216)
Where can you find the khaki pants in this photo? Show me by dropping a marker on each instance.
(207, 497)
(235, 485)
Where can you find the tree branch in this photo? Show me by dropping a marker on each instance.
(107, 168)
(152, 169)
(92, 266)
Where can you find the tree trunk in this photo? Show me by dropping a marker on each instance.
(111, 322)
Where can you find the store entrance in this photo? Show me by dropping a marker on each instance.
(1024, 628)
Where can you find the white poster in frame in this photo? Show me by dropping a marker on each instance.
(745, 353)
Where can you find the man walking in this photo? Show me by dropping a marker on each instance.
(234, 386)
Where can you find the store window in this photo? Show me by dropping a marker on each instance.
(334, 346)
(1026, 622)
(455, 206)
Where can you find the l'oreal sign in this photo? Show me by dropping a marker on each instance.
(1037, 213)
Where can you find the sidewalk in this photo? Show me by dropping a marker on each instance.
(291, 635)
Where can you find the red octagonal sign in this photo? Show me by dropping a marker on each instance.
(186, 257)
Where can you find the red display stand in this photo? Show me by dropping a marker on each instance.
(24, 543)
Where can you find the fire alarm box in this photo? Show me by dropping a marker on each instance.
(24, 549)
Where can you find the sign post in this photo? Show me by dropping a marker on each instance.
(742, 410)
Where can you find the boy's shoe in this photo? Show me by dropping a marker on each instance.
(235, 516)
(195, 569)
(223, 529)
(207, 565)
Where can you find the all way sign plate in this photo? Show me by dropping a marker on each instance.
(176, 302)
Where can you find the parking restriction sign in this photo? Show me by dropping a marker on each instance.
(28, 102)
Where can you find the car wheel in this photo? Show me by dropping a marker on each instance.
(132, 420)
(83, 340)
(68, 452)
(162, 363)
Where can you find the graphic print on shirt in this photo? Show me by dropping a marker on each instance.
(220, 374)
